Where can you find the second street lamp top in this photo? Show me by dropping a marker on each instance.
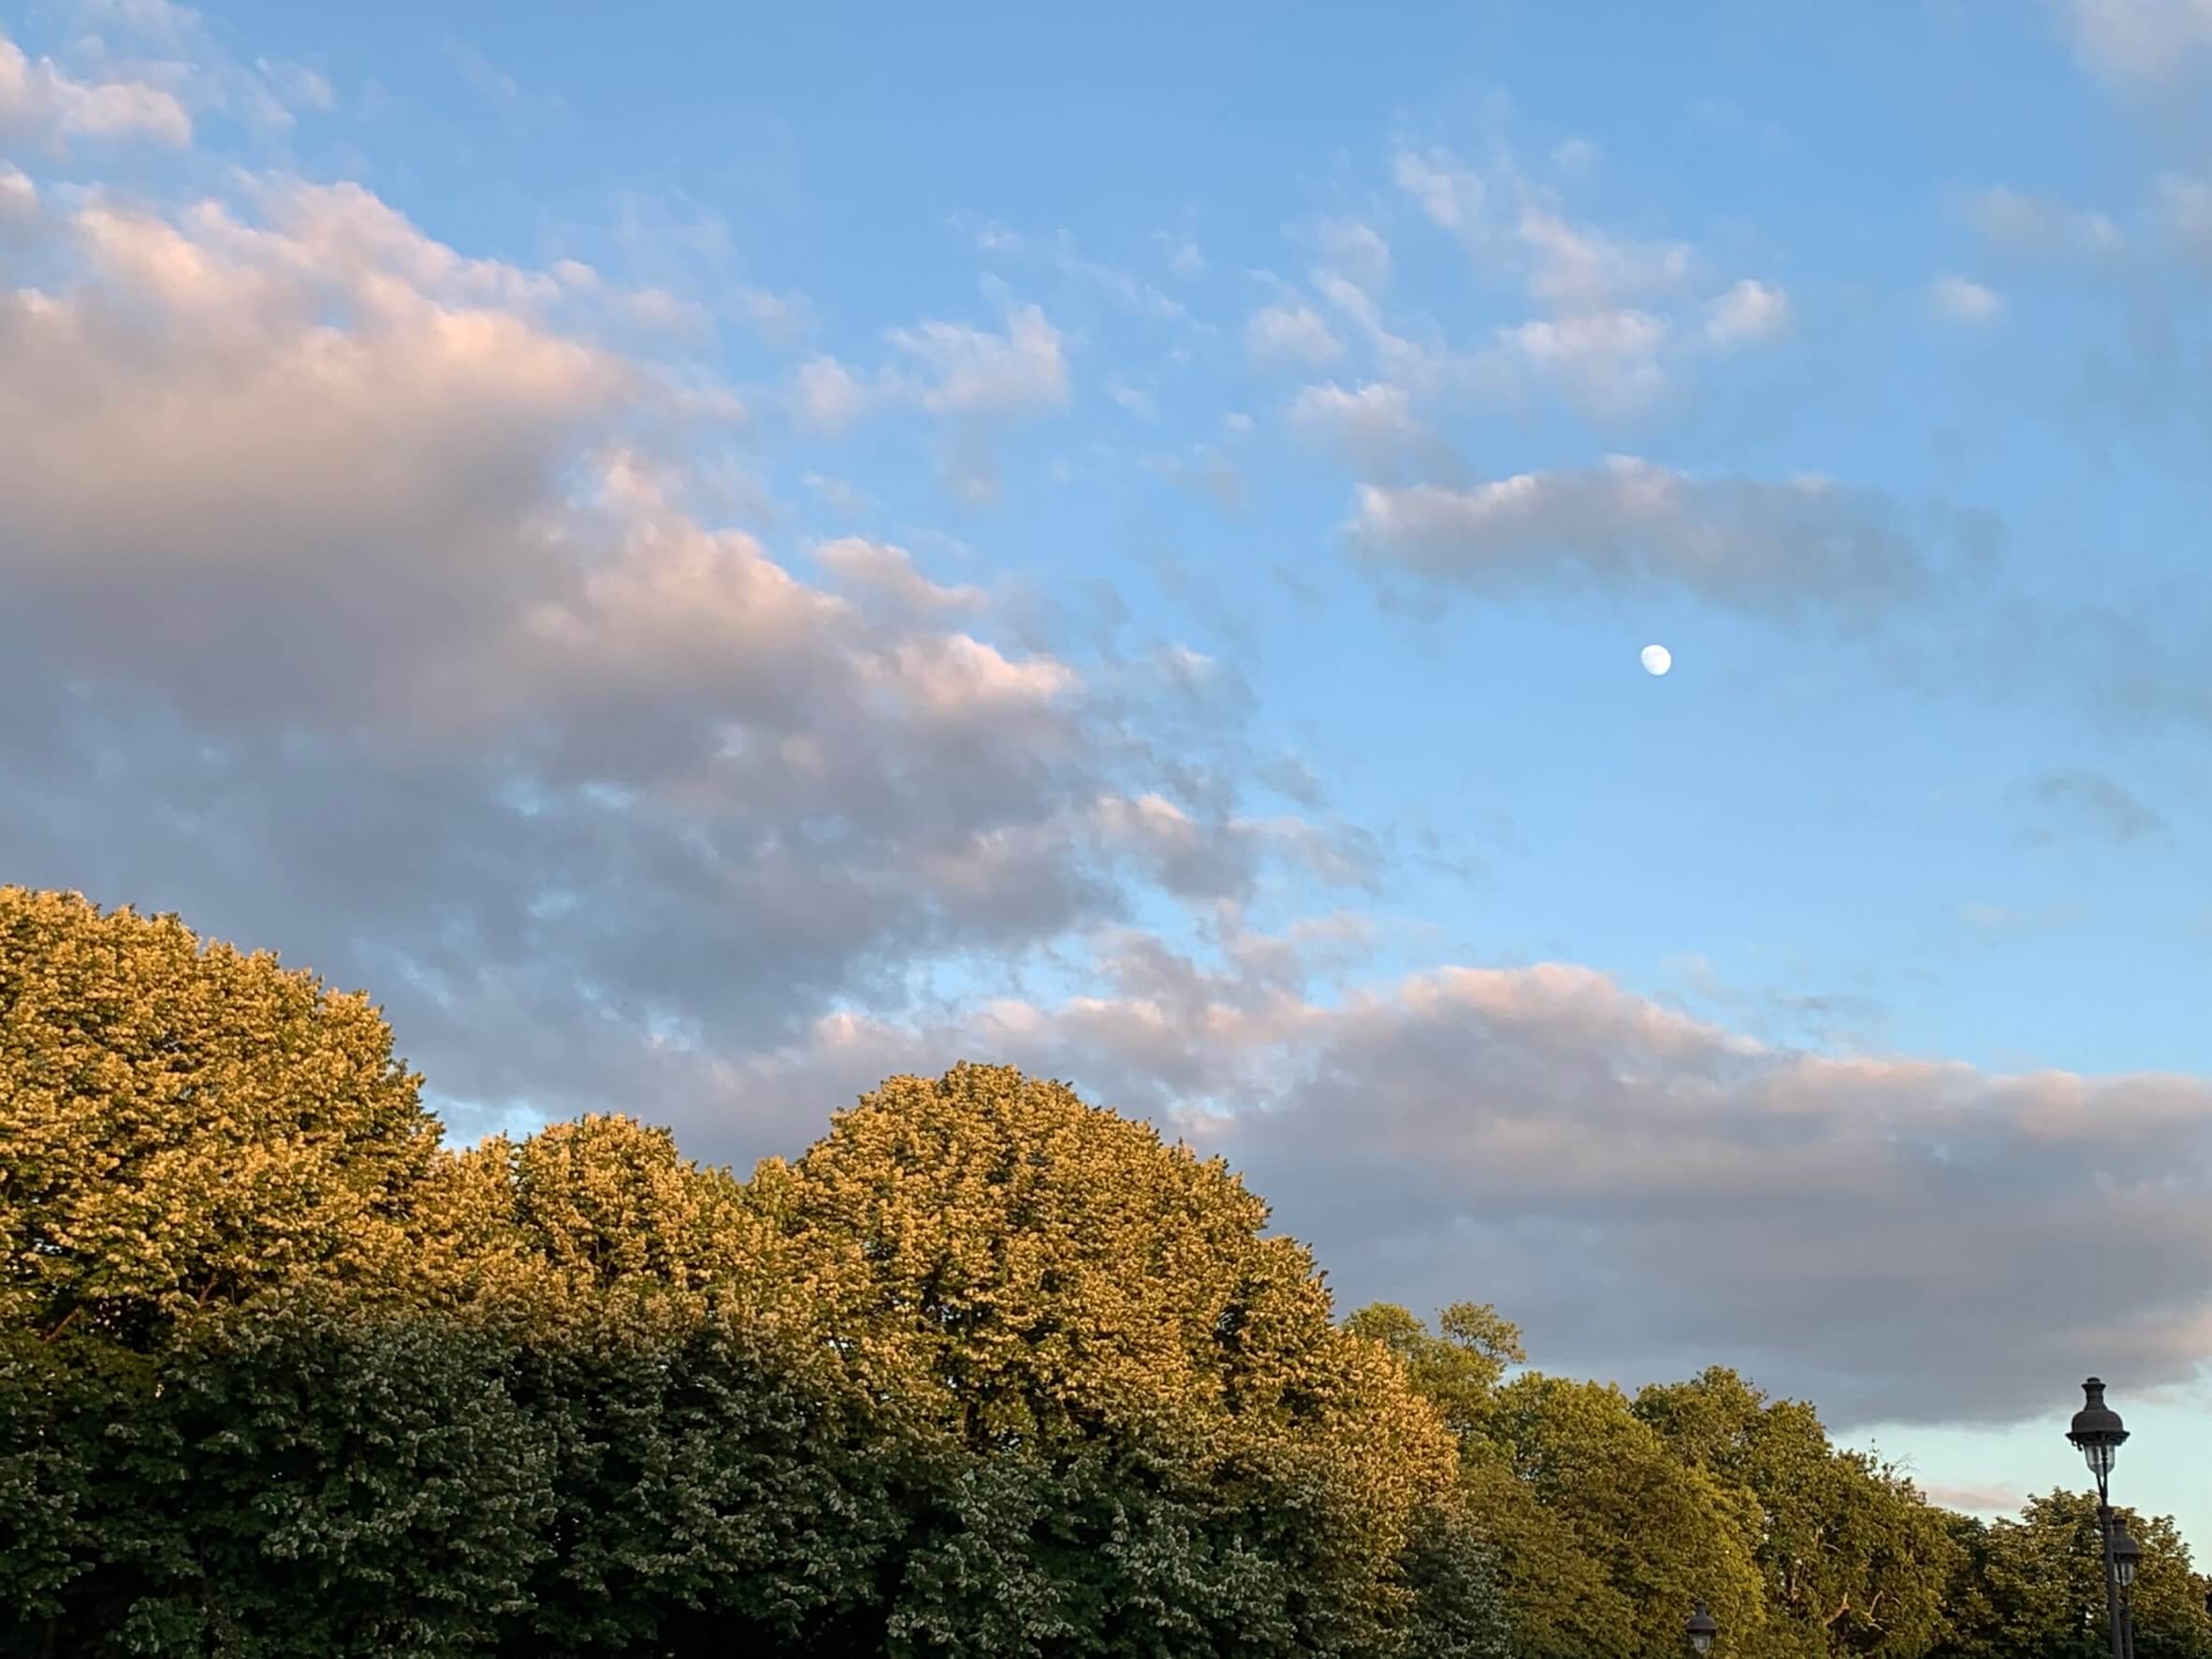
(2125, 1553)
(1701, 1629)
(2097, 1430)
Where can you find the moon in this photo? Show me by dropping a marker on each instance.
(1656, 658)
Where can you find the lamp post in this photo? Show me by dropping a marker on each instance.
(2126, 1552)
(2097, 1432)
(1701, 1630)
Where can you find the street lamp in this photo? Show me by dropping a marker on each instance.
(2125, 1553)
(1701, 1630)
(2097, 1432)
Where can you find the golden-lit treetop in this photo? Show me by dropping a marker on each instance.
(1046, 1251)
(1049, 1267)
(181, 1123)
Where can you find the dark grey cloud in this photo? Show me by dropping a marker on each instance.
(1900, 1239)
(1786, 550)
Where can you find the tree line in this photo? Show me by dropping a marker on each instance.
(987, 1371)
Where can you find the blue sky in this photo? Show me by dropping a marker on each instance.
(711, 556)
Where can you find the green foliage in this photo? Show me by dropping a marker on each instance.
(989, 1373)
(1661, 1531)
(1854, 1561)
(1080, 1298)
(307, 1478)
(2036, 1586)
(1458, 1369)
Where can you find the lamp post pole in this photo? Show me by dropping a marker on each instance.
(2096, 1433)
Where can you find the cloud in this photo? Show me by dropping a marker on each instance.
(1291, 332)
(1139, 403)
(1578, 265)
(1454, 197)
(1903, 1240)
(1747, 312)
(1610, 318)
(780, 319)
(1777, 1204)
(1610, 359)
(2154, 40)
(1775, 549)
(828, 397)
(1374, 423)
(1577, 158)
(41, 103)
(1961, 299)
(1977, 1500)
(1357, 249)
(354, 610)
(839, 495)
(1125, 289)
(2184, 212)
(2081, 801)
(19, 199)
(1184, 257)
(886, 573)
(2018, 220)
(978, 372)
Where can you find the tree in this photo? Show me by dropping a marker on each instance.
(1458, 1368)
(181, 1125)
(1603, 1539)
(1855, 1562)
(307, 1474)
(1083, 1299)
(1662, 1534)
(2036, 1586)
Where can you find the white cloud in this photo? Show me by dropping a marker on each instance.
(1138, 403)
(838, 494)
(1608, 360)
(1605, 299)
(661, 312)
(2015, 219)
(1291, 332)
(1127, 290)
(1357, 249)
(19, 198)
(1961, 299)
(297, 84)
(1750, 311)
(978, 371)
(560, 766)
(1454, 197)
(42, 103)
(2184, 212)
(1579, 266)
(830, 398)
(993, 238)
(780, 319)
(887, 572)
(2140, 39)
(1374, 423)
(1577, 158)
(1184, 258)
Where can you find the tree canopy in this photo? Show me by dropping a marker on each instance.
(988, 1371)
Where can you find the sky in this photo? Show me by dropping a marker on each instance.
(713, 556)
